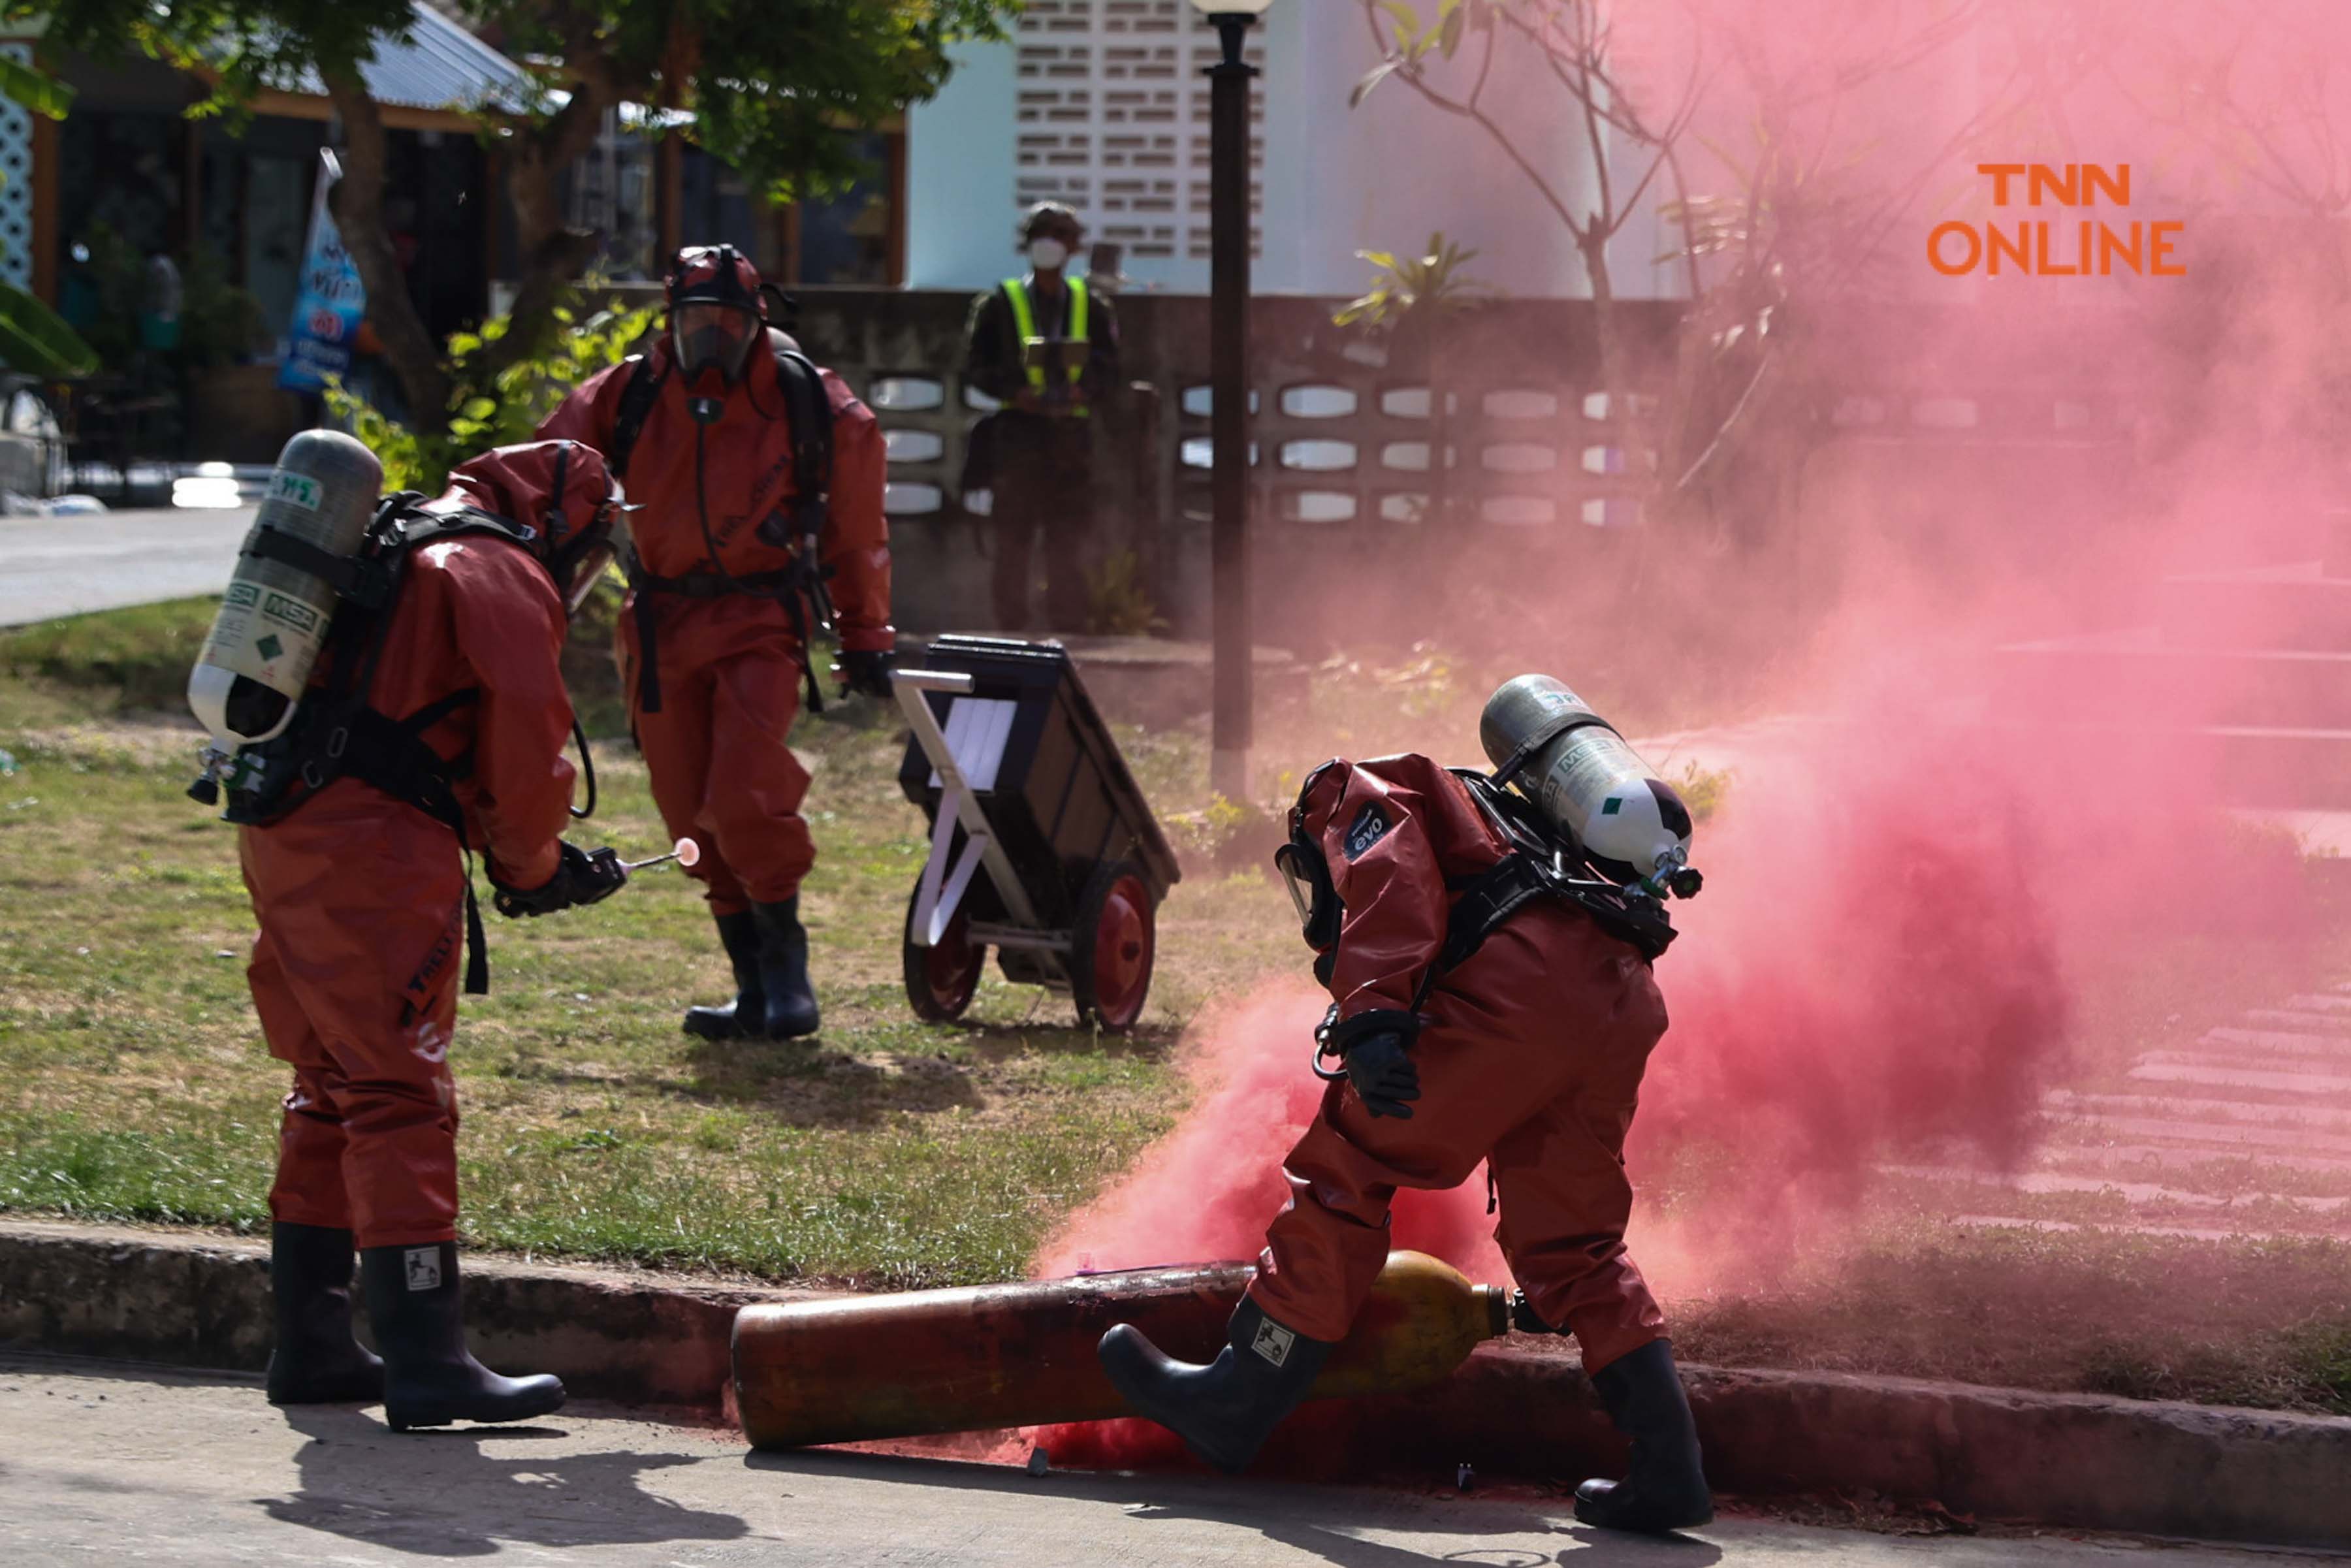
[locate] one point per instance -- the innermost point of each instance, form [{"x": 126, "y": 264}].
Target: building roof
[{"x": 439, "y": 65}]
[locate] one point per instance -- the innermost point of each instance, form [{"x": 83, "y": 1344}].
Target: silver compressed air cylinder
[
  {"x": 274, "y": 615},
  {"x": 1584, "y": 777}
]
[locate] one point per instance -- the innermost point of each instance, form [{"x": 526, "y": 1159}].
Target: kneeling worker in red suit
[{"x": 1473, "y": 1025}]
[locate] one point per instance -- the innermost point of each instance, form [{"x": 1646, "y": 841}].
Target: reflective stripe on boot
[
  {"x": 315, "y": 1360},
  {"x": 429, "y": 1378},
  {"x": 1226, "y": 1410}
]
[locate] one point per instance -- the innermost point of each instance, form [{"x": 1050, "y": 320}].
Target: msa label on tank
[
  {"x": 292, "y": 611},
  {"x": 1370, "y": 826},
  {"x": 1589, "y": 774},
  {"x": 1273, "y": 1342},
  {"x": 295, "y": 490}
]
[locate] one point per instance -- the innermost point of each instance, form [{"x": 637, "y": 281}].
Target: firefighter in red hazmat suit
[
  {"x": 752, "y": 472},
  {"x": 434, "y": 726},
  {"x": 1527, "y": 1052}
]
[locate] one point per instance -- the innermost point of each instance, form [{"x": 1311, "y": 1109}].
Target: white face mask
[{"x": 1047, "y": 255}]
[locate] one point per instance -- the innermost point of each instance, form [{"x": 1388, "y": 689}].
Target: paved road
[
  {"x": 110, "y": 1465},
  {"x": 65, "y": 566}
]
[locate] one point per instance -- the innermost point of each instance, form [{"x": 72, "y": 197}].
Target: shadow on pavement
[
  {"x": 468, "y": 1491},
  {"x": 1317, "y": 1521}
]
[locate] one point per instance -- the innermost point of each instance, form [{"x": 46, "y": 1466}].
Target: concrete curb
[
  {"x": 2147, "y": 1467},
  {"x": 2007, "y": 1454},
  {"x": 204, "y": 1301}
]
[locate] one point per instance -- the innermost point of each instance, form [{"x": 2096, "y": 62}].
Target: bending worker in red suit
[
  {"x": 1528, "y": 1053},
  {"x": 712, "y": 430},
  {"x": 434, "y": 726}
]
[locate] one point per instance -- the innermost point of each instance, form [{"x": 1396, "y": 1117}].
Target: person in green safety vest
[{"x": 1046, "y": 347}]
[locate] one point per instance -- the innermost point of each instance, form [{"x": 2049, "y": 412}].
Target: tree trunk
[
  {"x": 358, "y": 205},
  {"x": 551, "y": 254},
  {"x": 1615, "y": 368}
]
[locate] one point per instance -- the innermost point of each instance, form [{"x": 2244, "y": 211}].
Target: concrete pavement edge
[{"x": 2082, "y": 1460}]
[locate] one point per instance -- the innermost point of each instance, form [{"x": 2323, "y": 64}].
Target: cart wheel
[
  {"x": 941, "y": 979},
  {"x": 1110, "y": 947}
]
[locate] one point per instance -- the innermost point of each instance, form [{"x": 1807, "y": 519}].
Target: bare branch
[{"x": 1416, "y": 77}]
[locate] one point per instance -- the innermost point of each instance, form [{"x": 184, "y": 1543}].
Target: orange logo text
[{"x": 2051, "y": 246}]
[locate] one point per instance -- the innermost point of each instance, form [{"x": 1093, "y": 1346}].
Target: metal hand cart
[{"x": 1042, "y": 847}]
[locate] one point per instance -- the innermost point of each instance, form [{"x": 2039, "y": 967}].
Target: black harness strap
[
  {"x": 392, "y": 755},
  {"x": 362, "y": 582},
  {"x": 808, "y": 413},
  {"x": 710, "y": 585},
  {"x": 629, "y": 419},
  {"x": 807, "y": 419},
  {"x": 646, "y": 585},
  {"x": 337, "y": 734}
]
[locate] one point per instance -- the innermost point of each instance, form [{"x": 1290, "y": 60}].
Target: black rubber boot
[
  {"x": 783, "y": 969},
  {"x": 1226, "y": 1410},
  {"x": 748, "y": 1013},
  {"x": 429, "y": 1378},
  {"x": 316, "y": 1361},
  {"x": 1665, "y": 1486}
]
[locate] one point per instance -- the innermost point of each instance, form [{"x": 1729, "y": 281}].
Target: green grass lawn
[
  {"x": 890, "y": 1152},
  {"x": 893, "y": 1153}
]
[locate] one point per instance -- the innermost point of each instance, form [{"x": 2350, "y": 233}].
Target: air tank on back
[
  {"x": 1584, "y": 777},
  {"x": 274, "y": 615}
]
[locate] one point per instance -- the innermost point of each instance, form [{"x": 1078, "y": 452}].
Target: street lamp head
[{"x": 1232, "y": 7}]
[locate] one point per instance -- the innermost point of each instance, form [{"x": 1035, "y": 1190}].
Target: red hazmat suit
[
  {"x": 360, "y": 898},
  {"x": 1530, "y": 1056},
  {"x": 731, "y": 665}
]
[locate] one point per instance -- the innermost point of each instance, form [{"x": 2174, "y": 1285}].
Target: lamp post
[{"x": 1228, "y": 287}]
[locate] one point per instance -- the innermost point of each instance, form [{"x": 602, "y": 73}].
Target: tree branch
[
  {"x": 357, "y": 205},
  {"x": 553, "y": 253},
  {"x": 1412, "y": 73}
]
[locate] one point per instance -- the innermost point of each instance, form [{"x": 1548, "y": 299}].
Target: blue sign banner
[{"x": 328, "y": 308}]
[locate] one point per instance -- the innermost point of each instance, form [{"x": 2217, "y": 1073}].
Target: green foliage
[
  {"x": 1417, "y": 290},
  {"x": 37, "y": 341},
  {"x": 1414, "y": 42},
  {"x": 36, "y": 88},
  {"x": 1118, "y": 601},
  {"x": 1234, "y": 838},
  {"x": 1701, "y": 791},
  {"x": 245, "y": 44},
  {"x": 114, "y": 273},
  {"x": 501, "y": 407},
  {"x": 769, "y": 86},
  {"x": 219, "y": 322}
]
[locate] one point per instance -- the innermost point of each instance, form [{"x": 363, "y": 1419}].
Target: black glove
[
  {"x": 581, "y": 876},
  {"x": 865, "y": 670},
  {"x": 1380, "y": 1067}
]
